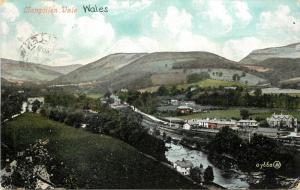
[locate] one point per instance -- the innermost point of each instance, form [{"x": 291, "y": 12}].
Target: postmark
[{"x": 38, "y": 47}]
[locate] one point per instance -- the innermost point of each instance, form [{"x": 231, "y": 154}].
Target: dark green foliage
[
  {"x": 244, "y": 113},
  {"x": 247, "y": 155},
  {"x": 236, "y": 77},
  {"x": 226, "y": 141},
  {"x": 162, "y": 91},
  {"x": 36, "y": 105},
  {"x": 208, "y": 174},
  {"x": 74, "y": 119},
  {"x": 196, "y": 77},
  {"x": 11, "y": 103},
  {"x": 196, "y": 174},
  {"x": 146, "y": 101},
  {"x": 240, "y": 97},
  {"x": 91, "y": 161}
]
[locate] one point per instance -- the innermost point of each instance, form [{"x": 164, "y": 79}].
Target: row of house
[
  {"x": 219, "y": 123},
  {"x": 281, "y": 120}
]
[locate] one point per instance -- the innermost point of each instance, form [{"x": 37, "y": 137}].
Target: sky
[{"x": 229, "y": 28}]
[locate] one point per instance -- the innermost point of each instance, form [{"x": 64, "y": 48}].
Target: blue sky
[{"x": 230, "y": 28}]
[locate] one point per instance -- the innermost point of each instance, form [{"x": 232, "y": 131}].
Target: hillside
[
  {"x": 100, "y": 68},
  {"x": 144, "y": 70},
  {"x": 23, "y": 71},
  {"x": 97, "y": 161},
  {"x": 280, "y": 69},
  {"x": 62, "y": 69},
  {"x": 288, "y": 51}
]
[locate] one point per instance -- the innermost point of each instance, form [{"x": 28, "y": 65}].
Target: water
[{"x": 178, "y": 152}]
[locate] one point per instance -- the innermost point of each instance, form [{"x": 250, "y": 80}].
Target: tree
[
  {"x": 162, "y": 91},
  {"x": 244, "y": 114},
  {"x": 208, "y": 174},
  {"x": 35, "y": 105},
  {"x": 196, "y": 174},
  {"x": 226, "y": 141},
  {"x": 196, "y": 77},
  {"x": 243, "y": 74},
  {"x": 257, "y": 92},
  {"x": 236, "y": 77}
]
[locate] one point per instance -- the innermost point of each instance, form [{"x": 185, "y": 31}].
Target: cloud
[
  {"x": 174, "y": 30},
  {"x": 217, "y": 12},
  {"x": 239, "y": 48},
  {"x": 187, "y": 41},
  {"x": 90, "y": 32},
  {"x": 155, "y": 21},
  {"x": 242, "y": 11},
  {"x": 9, "y": 12},
  {"x": 4, "y": 29},
  {"x": 176, "y": 21},
  {"x": 198, "y": 3},
  {"x": 125, "y": 5},
  {"x": 23, "y": 30},
  {"x": 132, "y": 45},
  {"x": 280, "y": 23}
]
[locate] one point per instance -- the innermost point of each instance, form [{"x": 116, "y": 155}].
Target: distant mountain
[
  {"x": 289, "y": 51},
  {"x": 23, "y": 71},
  {"x": 135, "y": 70},
  {"x": 62, "y": 69},
  {"x": 100, "y": 68}
]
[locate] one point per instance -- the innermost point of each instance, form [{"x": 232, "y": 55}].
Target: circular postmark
[
  {"x": 38, "y": 47},
  {"x": 276, "y": 164}
]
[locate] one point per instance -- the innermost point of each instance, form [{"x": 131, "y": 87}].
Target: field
[
  {"x": 211, "y": 83},
  {"x": 235, "y": 113},
  {"x": 94, "y": 95},
  {"x": 203, "y": 84},
  {"x": 98, "y": 161}
]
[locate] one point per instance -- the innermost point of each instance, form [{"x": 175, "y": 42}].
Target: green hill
[
  {"x": 98, "y": 161},
  {"x": 281, "y": 68},
  {"x": 136, "y": 70}
]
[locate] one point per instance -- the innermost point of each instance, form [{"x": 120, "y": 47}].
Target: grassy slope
[
  {"x": 203, "y": 84},
  {"x": 211, "y": 83},
  {"x": 99, "y": 161},
  {"x": 235, "y": 112}
]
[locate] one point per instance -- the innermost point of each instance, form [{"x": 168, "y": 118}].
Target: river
[{"x": 178, "y": 152}]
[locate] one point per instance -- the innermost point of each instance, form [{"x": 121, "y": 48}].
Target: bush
[
  {"x": 196, "y": 77},
  {"x": 208, "y": 174}
]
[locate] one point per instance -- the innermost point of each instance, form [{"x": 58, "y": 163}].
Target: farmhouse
[
  {"x": 183, "y": 166},
  {"x": 277, "y": 120}
]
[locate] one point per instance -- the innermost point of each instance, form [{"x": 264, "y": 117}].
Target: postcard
[{"x": 150, "y": 94}]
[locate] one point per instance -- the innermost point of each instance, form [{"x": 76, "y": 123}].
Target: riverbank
[{"x": 221, "y": 180}]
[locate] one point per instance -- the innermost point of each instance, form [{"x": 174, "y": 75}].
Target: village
[{"x": 282, "y": 127}]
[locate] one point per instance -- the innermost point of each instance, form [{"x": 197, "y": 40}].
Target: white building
[
  {"x": 199, "y": 122},
  {"x": 187, "y": 126},
  {"x": 277, "y": 120},
  {"x": 205, "y": 123},
  {"x": 174, "y": 102},
  {"x": 247, "y": 123},
  {"x": 183, "y": 166}
]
